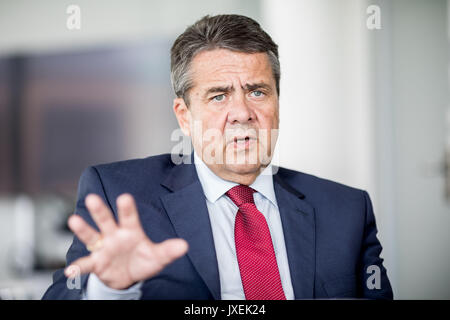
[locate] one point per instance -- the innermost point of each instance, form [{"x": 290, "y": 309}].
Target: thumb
[{"x": 171, "y": 249}]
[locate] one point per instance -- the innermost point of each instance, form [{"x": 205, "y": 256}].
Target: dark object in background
[{"x": 62, "y": 112}]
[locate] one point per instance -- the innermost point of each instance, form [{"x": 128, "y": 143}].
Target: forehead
[{"x": 222, "y": 66}]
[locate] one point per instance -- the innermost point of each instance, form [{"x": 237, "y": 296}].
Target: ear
[{"x": 183, "y": 115}]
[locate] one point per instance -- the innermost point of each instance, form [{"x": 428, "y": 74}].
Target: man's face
[{"x": 233, "y": 112}]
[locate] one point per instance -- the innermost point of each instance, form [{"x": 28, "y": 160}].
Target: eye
[
  {"x": 257, "y": 93},
  {"x": 219, "y": 98}
]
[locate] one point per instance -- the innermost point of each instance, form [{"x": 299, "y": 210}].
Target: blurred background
[{"x": 364, "y": 101}]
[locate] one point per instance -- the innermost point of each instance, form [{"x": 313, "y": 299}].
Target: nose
[{"x": 241, "y": 111}]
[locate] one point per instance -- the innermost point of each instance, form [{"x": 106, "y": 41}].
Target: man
[{"x": 231, "y": 225}]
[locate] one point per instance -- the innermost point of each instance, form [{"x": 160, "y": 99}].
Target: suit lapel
[
  {"x": 187, "y": 210},
  {"x": 297, "y": 217}
]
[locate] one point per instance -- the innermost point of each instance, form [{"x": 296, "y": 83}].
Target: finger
[
  {"x": 80, "y": 266},
  {"x": 127, "y": 212},
  {"x": 83, "y": 230},
  {"x": 101, "y": 214},
  {"x": 170, "y": 250}
]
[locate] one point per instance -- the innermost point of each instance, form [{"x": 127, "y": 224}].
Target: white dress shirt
[{"x": 222, "y": 212}]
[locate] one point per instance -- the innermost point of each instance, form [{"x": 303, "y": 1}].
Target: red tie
[{"x": 256, "y": 257}]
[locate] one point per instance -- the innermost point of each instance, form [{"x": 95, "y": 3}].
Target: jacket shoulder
[
  {"x": 314, "y": 186},
  {"x": 135, "y": 176},
  {"x": 157, "y": 165}
]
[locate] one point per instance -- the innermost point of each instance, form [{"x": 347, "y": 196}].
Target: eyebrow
[
  {"x": 259, "y": 85},
  {"x": 217, "y": 90},
  {"x": 226, "y": 89}
]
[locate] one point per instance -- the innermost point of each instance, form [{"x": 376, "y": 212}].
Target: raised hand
[{"x": 121, "y": 253}]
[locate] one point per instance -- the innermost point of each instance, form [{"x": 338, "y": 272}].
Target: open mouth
[
  {"x": 243, "y": 142},
  {"x": 240, "y": 140}
]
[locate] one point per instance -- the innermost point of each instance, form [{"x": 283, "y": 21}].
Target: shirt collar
[{"x": 214, "y": 187}]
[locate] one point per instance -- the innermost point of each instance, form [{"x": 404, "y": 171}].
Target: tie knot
[{"x": 241, "y": 194}]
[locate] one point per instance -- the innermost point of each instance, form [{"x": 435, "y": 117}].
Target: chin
[{"x": 243, "y": 168}]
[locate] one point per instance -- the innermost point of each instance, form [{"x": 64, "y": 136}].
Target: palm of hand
[{"x": 126, "y": 254}]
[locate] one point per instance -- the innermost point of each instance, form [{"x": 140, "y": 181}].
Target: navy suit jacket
[{"x": 329, "y": 231}]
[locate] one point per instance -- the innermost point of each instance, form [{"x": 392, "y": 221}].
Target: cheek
[
  {"x": 214, "y": 121},
  {"x": 210, "y": 128},
  {"x": 268, "y": 119},
  {"x": 269, "y": 123}
]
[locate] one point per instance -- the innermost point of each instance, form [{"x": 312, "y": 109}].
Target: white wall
[
  {"x": 368, "y": 108},
  {"x": 419, "y": 103},
  {"x": 327, "y": 125},
  {"x": 32, "y": 26},
  {"x": 325, "y": 117}
]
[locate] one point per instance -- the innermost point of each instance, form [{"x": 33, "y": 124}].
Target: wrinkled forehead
[{"x": 222, "y": 67}]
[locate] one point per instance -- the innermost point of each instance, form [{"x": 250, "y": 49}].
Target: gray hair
[{"x": 233, "y": 32}]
